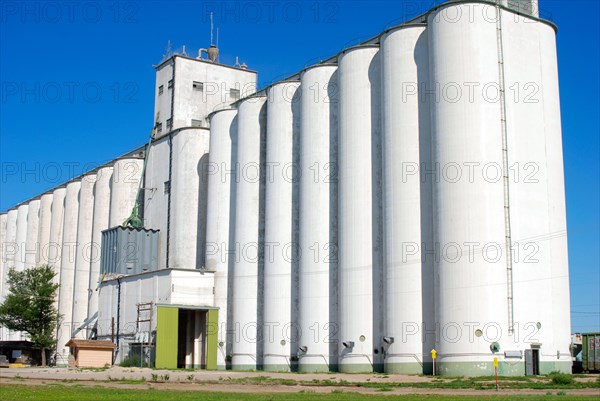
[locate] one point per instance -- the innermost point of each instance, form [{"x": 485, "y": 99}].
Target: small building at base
[{"x": 90, "y": 353}]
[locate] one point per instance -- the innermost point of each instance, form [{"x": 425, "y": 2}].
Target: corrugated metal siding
[{"x": 127, "y": 250}]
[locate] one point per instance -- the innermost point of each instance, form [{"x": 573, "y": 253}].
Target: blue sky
[{"x": 78, "y": 87}]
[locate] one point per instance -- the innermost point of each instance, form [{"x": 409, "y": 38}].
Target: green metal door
[
  {"x": 212, "y": 339},
  {"x": 167, "y": 331}
]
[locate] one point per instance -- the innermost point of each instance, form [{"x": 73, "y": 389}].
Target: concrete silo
[
  {"x": 187, "y": 204},
  {"x": 53, "y": 252},
  {"x": 45, "y": 222},
  {"x": 83, "y": 251},
  {"x": 359, "y": 221},
  {"x": 408, "y": 284},
  {"x": 31, "y": 239},
  {"x": 124, "y": 185},
  {"x": 249, "y": 234},
  {"x": 67, "y": 271},
  {"x": 536, "y": 192},
  {"x": 318, "y": 301},
  {"x": 219, "y": 224},
  {"x": 101, "y": 212},
  {"x": 9, "y": 252},
  {"x": 21, "y": 236},
  {"x": 280, "y": 305},
  {"x": 3, "y": 267}
]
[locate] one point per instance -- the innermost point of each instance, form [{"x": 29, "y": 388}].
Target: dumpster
[{"x": 590, "y": 352}]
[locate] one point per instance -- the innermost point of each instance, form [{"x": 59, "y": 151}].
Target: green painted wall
[
  {"x": 212, "y": 338},
  {"x": 167, "y": 337}
]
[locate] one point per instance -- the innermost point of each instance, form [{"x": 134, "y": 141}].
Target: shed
[{"x": 90, "y": 353}]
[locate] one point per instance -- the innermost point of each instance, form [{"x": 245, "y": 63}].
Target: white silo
[
  {"x": 21, "y": 237},
  {"x": 317, "y": 317},
  {"x": 407, "y": 210},
  {"x": 537, "y": 208},
  {"x": 220, "y": 216},
  {"x": 359, "y": 221},
  {"x": 67, "y": 271},
  {"x": 101, "y": 213},
  {"x": 45, "y": 222},
  {"x": 9, "y": 253},
  {"x": 469, "y": 210},
  {"x": 281, "y": 227},
  {"x": 188, "y": 198},
  {"x": 29, "y": 250},
  {"x": 83, "y": 252},
  {"x": 557, "y": 215},
  {"x": 3, "y": 221},
  {"x": 52, "y": 253},
  {"x": 124, "y": 185},
  {"x": 249, "y": 233}
]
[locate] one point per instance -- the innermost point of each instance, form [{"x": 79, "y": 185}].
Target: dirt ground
[{"x": 227, "y": 381}]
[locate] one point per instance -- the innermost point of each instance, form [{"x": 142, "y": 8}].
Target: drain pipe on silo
[
  {"x": 168, "y": 245},
  {"x": 118, "y": 316}
]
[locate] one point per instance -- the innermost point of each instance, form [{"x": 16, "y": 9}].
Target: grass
[
  {"x": 552, "y": 381},
  {"x": 71, "y": 393}
]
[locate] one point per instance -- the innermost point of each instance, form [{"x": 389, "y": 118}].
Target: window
[
  {"x": 158, "y": 128},
  {"x": 234, "y": 94},
  {"x": 161, "y": 89},
  {"x": 169, "y": 124},
  {"x": 170, "y": 84},
  {"x": 197, "y": 123},
  {"x": 167, "y": 187},
  {"x": 198, "y": 86}
]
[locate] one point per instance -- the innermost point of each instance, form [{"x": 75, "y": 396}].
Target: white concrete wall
[
  {"x": 83, "y": 252},
  {"x": 29, "y": 251},
  {"x": 360, "y": 240},
  {"x": 219, "y": 230},
  {"x": 102, "y": 190},
  {"x": 189, "y": 185},
  {"x": 167, "y": 287},
  {"x": 3, "y": 268},
  {"x": 249, "y": 232},
  {"x": 45, "y": 223},
  {"x": 124, "y": 185},
  {"x": 281, "y": 227},
  {"x": 21, "y": 236},
  {"x": 67, "y": 271},
  {"x": 155, "y": 197},
  {"x": 190, "y": 104},
  {"x": 318, "y": 275}
]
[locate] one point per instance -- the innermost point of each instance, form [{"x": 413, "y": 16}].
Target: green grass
[
  {"x": 71, "y": 393},
  {"x": 477, "y": 383}
]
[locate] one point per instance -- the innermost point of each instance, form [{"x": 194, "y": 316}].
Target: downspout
[
  {"x": 168, "y": 247},
  {"x": 118, "y": 316}
]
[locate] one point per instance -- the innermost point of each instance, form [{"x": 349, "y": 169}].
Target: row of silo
[
  {"x": 62, "y": 228},
  {"x": 412, "y": 269}
]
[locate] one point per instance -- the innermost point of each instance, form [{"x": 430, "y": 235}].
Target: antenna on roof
[
  {"x": 211, "y": 28},
  {"x": 169, "y": 50}
]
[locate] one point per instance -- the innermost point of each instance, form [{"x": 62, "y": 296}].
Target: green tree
[{"x": 29, "y": 307}]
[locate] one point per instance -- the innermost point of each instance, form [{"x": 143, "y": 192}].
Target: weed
[{"x": 561, "y": 378}]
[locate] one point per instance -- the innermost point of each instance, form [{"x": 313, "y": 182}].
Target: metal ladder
[{"x": 505, "y": 170}]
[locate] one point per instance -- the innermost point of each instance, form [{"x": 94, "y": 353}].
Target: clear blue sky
[{"x": 113, "y": 45}]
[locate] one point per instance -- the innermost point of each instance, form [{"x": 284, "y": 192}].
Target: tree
[{"x": 29, "y": 307}]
